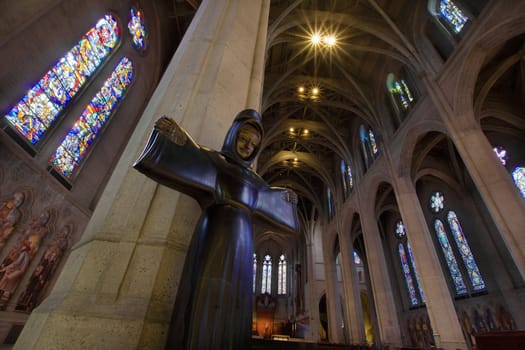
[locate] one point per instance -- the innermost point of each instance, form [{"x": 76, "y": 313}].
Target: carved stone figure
[
  {"x": 213, "y": 309},
  {"x": 15, "y": 264},
  {"x": 9, "y": 216},
  {"x": 44, "y": 271}
]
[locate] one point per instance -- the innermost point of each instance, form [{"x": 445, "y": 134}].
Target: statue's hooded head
[{"x": 243, "y": 140}]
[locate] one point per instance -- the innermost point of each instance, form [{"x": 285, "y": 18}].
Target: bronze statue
[{"x": 213, "y": 308}]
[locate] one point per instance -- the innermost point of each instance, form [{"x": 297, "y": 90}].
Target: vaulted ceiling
[{"x": 308, "y": 134}]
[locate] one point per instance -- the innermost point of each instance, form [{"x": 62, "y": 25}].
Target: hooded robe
[{"x": 213, "y": 308}]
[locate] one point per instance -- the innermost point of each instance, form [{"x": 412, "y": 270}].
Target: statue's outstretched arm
[
  {"x": 278, "y": 207},
  {"x": 173, "y": 159},
  {"x": 169, "y": 128}
]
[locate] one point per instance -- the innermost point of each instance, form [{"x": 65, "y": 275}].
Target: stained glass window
[
  {"x": 502, "y": 155},
  {"x": 400, "y": 90},
  {"x": 267, "y": 275},
  {"x": 330, "y": 203},
  {"x": 408, "y": 276},
  {"x": 254, "y": 270},
  {"x": 437, "y": 202},
  {"x": 452, "y": 15},
  {"x": 400, "y": 229},
  {"x": 468, "y": 259},
  {"x": 281, "y": 278},
  {"x": 406, "y": 263},
  {"x": 450, "y": 258},
  {"x": 137, "y": 29},
  {"x": 373, "y": 144},
  {"x": 75, "y": 145},
  {"x": 346, "y": 175},
  {"x": 518, "y": 175},
  {"x": 34, "y": 114},
  {"x": 357, "y": 259},
  {"x": 411, "y": 255}
]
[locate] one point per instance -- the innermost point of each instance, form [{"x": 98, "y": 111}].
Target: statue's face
[{"x": 247, "y": 141}]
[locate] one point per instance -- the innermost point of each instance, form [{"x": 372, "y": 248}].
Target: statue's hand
[{"x": 171, "y": 129}]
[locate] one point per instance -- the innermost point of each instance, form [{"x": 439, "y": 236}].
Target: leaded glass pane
[
  {"x": 502, "y": 155},
  {"x": 411, "y": 255},
  {"x": 42, "y": 104},
  {"x": 437, "y": 201},
  {"x": 76, "y": 143},
  {"x": 450, "y": 258},
  {"x": 408, "y": 276},
  {"x": 267, "y": 275},
  {"x": 281, "y": 278},
  {"x": 452, "y": 14},
  {"x": 466, "y": 254},
  {"x": 137, "y": 29},
  {"x": 373, "y": 144},
  {"x": 400, "y": 229},
  {"x": 357, "y": 259},
  {"x": 518, "y": 175},
  {"x": 254, "y": 269}
]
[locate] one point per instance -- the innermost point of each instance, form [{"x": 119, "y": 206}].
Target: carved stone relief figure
[
  {"x": 10, "y": 215},
  {"x": 45, "y": 270},
  {"x": 17, "y": 261}
]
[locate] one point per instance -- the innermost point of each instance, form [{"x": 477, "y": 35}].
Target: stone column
[
  {"x": 311, "y": 290},
  {"x": 495, "y": 185},
  {"x": 333, "y": 308},
  {"x": 439, "y": 303},
  {"x": 355, "y": 329},
  {"x": 388, "y": 323},
  {"x": 118, "y": 286}
]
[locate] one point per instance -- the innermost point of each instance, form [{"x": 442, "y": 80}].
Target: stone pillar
[
  {"x": 354, "y": 327},
  {"x": 311, "y": 290},
  {"x": 388, "y": 323},
  {"x": 332, "y": 296},
  {"x": 439, "y": 303},
  {"x": 118, "y": 286},
  {"x": 495, "y": 185}
]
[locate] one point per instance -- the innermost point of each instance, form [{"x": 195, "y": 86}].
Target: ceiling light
[
  {"x": 315, "y": 91},
  {"x": 305, "y": 131},
  {"x": 316, "y": 39},
  {"x": 301, "y": 89},
  {"x": 329, "y": 40}
]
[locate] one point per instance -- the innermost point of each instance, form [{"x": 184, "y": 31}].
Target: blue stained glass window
[
  {"x": 452, "y": 15},
  {"x": 40, "y": 107},
  {"x": 408, "y": 276},
  {"x": 357, "y": 259},
  {"x": 137, "y": 29},
  {"x": 254, "y": 269},
  {"x": 373, "y": 144},
  {"x": 415, "y": 271},
  {"x": 502, "y": 155},
  {"x": 346, "y": 174},
  {"x": 400, "y": 229},
  {"x": 74, "y": 147},
  {"x": 450, "y": 259},
  {"x": 267, "y": 275},
  {"x": 518, "y": 175},
  {"x": 473, "y": 272},
  {"x": 403, "y": 93},
  {"x": 281, "y": 276},
  {"x": 437, "y": 201}
]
